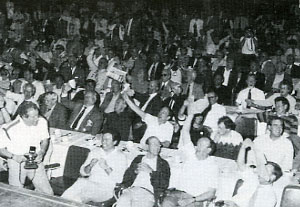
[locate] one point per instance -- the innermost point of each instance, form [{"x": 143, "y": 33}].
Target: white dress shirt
[
  {"x": 217, "y": 111},
  {"x": 226, "y": 75},
  {"x": 256, "y": 94}
]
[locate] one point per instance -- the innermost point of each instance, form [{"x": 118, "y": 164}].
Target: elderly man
[
  {"x": 85, "y": 117},
  {"x": 120, "y": 120},
  {"x": 28, "y": 77},
  {"x": 166, "y": 84},
  {"x": 104, "y": 168},
  {"x": 146, "y": 179},
  {"x": 156, "y": 126},
  {"x": 27, "y": 132},
  {"x": 27, "y": 95},
  {"x": 199, "y": 176},
  {"x": 54, "y": 112}
]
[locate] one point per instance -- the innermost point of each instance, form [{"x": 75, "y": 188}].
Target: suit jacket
[
  {"x": 157, "y": 74},
  {"x": 232, "y": 82},
  {"x": 159, "y": 179},
  {"x": 93, "y": 121},
  {"x": 153, "y": 106},
  {"x": 270, "y": 81},
  {"x": 224, "y": 95},
  {"x": 198, "y": 92},
  {"x": 106, "y": 101},
  {"x": 178, "y": 102},
  {"x": 58, "y": 117},
  {"x": 79, "y": 74},
  {"x": 166, "y": 91},
  {"x": 295, "y": 71}
]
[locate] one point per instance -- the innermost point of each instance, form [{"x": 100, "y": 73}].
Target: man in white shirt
[
  {"x": 104, "y": 167},
  {"x": 156, "y": 126},
  {"x": 28, "y": 76},
  {"x": 256, "y": 189},
  {"x": 285, "y": 90},
  {"x": 249, "y": 94},
  {"x": 27, "y": 95},
  {"x": 28, "y": 132},
  {"x": 213, "y": 112},
  {"x": 275, "y": 145},
  {"x": 199, "y": 178}
]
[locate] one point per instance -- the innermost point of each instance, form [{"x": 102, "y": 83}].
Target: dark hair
[
  {"x": 229, "y": 124},
  {"x": 115, "y": 135},
  {"x": 25, "y": 107},
  {"x": 284, "y": 102},
  {"x": 288, "y": 84},
  {"x": 276, "y": 170},
  {"x": 90, "y": 81},
  {"x": 219, "y": 74},
  {"x": 277, "y": 118}
]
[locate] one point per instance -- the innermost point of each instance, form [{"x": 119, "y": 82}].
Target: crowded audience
[{"x": 162, "y": 76}]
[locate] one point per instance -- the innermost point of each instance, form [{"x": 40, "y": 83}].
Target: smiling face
[
  {"x": 31, "y": 118},
  {"x": 154, "y": 146},
  {"x": 164, "y": 115},
  {"x": 107, "y": 142},
  {"x": 276, "y": 128}
]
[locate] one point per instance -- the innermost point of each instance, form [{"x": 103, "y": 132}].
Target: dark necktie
[
  {"x": 195, "y": 30},
  {"x": 249, "y": 97},
  {"x": 238, "y": 184},
  {"x": 75, "y": 123},
  {"x": 162, "y": 86},
  {"x": 152, "y": 73},
  {"x": 205, "y": 112}
]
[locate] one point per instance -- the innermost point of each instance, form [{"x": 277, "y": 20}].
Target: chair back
[
  {"x": 228, "y": 151},
  {"x": 75, "y": 158},
  {"x": 291, "y": 196},
  {"x": 247, "y": 127}
]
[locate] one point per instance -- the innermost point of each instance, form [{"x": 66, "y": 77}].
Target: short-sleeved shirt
[
  {"x": 17, "y": 137},
  {"x": 198, "y": 176},
  {"x": 163, "y": 132}
]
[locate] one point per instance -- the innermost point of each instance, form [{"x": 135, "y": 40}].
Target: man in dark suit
[
  {"x": 165, "y": 85},
  {"x": 151, "y": 104},
  {"x": 259, "y": 77},
  {"x": 175, "y": 101},
  {"x": 230, "y": 74},
  {"x": 291, "y": 68},
  {"x": 272, "y": 84},
  {"x": 109, "y": 101},
  {"x": 193, "y": 61},
  {"x": 85, "y": 117},
  {"x": 90, "y": 85},
  {"x": 191, "y": 88},
  {"x": 155, "y": 68},
  {"x": 54, "y": 112},
  {"x": 223, "y": 92},
  {"x": 71, "y": 70}
]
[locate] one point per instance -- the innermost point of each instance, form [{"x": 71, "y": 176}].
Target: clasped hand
[{"x": 143, "y": 167}]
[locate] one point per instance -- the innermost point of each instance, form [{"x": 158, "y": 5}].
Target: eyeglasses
[
  {"x": 211, "y": 97},
  {"x": 164, "y": 74}
]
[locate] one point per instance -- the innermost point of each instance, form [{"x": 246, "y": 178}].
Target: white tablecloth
[{"x": 228, "y": 168}]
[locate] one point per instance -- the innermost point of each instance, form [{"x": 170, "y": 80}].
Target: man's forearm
[
  {"x": 206, "y": 196},
  {"x": 44, "y": 147}
]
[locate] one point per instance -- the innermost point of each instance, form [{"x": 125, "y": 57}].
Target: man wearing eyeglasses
[
  {"x": 165, "y": 85},
  {"x": 213, "y": 112}
]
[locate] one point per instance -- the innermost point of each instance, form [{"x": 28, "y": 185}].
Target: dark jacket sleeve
[
  {"x": 160, "y": 178},
  {"x": 130, "y": 174}
]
